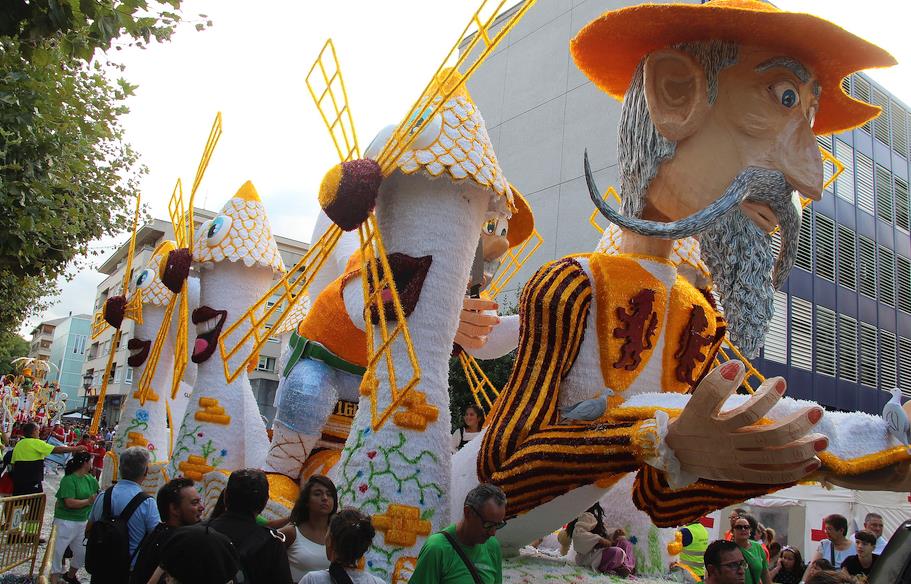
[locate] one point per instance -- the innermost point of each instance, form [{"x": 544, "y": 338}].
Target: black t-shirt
[
  {"x": 267, "y": 563},
  {"x": 150, "y": 553},
  {"x": 853, "y": 567}
]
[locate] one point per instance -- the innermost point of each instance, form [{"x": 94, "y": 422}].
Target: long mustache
[{"x": 751, "y": 183}]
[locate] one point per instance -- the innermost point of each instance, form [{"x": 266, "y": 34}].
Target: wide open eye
[
  {"x": 490, "y": 226},
  {"x": 786, "y": 93},
  {"x": 145, "y": 278},
  {"x": 502, "y": 227},
  {"x": 218, "y": 229}
]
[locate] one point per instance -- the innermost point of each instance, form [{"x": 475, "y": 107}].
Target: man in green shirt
[
  {"x": 28, "y": 460},
  {"x": 439, "y": 561}
]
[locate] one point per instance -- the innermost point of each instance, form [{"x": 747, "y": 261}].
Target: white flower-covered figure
[
  {"x": 399, "y": 471},
  {"x": 146, "y": 424},
  {"x": 237, "y": 256}
]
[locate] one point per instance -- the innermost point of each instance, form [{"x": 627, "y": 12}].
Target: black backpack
[
  {"x": 894, "y": 565},
  {"x": 107, "y": 548}
]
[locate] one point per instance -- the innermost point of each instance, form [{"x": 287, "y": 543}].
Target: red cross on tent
[
  {"x": 819, "y": 534},
  {"x": 709, "y": 522}
]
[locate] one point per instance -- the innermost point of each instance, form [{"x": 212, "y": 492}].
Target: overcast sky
[{"x": 251, "y": 64}]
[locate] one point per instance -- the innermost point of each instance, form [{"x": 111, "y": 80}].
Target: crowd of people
[{"x": 123, "y": 535}]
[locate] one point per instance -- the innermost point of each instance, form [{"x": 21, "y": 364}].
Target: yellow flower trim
[
  {"x": 867, "y": 463},
  {"x": 402, "y": 524},
  {"x": 328, "y": 188}
]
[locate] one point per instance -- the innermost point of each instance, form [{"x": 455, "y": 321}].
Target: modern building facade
[
  {"x": 68, "y": 349},
  {"x": 264, "y": 378},
  {"x": 842, "y": 330}
]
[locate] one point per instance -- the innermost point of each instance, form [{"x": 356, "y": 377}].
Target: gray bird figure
[
  {"x": 896, "y": 418},
  {"x": 589, "y": 409}
]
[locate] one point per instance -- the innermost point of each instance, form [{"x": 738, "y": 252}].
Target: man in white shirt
[{"x": 873, "y": 523}]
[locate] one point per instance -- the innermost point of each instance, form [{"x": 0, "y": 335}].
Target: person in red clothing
[
  {"x": 98, "y": 453},
  {"x": 59, "y": 433}
]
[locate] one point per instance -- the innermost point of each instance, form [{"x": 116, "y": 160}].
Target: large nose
[
  {"x": 494, "y": 247},
  {"x": 797, "y": 156}
]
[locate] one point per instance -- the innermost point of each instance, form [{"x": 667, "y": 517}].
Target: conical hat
[{"x": 240, "y": 233}]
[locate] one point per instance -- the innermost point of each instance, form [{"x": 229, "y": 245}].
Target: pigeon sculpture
[
  {"x": 589, "y": 409},
  {"x": 896, "y": 418}
]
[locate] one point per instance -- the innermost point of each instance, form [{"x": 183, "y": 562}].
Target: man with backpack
[
  {"x": 261, "y": 549},
  {"x": 120, "y": 518}
]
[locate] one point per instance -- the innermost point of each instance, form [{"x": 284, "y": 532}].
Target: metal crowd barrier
[
  {"x": 20, "y": 530},
  {"x": 44, "y": 572}
]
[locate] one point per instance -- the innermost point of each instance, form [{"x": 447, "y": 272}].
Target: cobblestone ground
[{"x": 19, "y": 575}]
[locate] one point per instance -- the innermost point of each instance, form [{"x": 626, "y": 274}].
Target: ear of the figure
[{"x": 675, "y": 92}]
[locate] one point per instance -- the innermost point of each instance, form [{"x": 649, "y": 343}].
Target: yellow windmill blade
[
  {"x": 287, "y": 293},
  {"x": 451, "y": 76},
  {"x": 214, "y": 134},
  {"x": 99, "y": 406},
  {"x": 145, "y": 380},
  {"x": 377, "y": 278},
  {"x": 482, "y": 389},
  {"x": 511, "y": 262},
  {"x": 180, "y": 345},
  {"x": 99, "y": 325},
  {"x": 327, "y": 88},
  {"x": 134, "y": 307},
  {"x": 177, "y": 213}
]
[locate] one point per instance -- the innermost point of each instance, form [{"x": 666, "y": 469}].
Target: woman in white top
[
  {"x": 350, "y": 535},
  {"x": 305, "y": 534},
  {"x": 836, "y": 547},
  {"x": 472, "y": 422}
]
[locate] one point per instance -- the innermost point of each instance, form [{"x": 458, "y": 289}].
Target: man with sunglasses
[
  {"x": 466, "y": 552},
  {"x": 724, "y": 564}
]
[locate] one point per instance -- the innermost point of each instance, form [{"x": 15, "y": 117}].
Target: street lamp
[{"x": 86, "y": 384}]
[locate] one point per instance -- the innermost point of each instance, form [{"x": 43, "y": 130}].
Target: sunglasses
[{"x": 488, "y": 525}]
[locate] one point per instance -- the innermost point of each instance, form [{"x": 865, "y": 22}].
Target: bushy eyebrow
[{"x": 792, "y": 65}]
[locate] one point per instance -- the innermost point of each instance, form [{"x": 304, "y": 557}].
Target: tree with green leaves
[
  {"x": 11, "y": 347},
  {"x": 66, "y": 174}
]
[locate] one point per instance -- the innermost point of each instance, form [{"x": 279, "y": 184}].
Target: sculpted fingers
[
  {"x": 479, "y": 318},
  {"x": 473, "y": 330},
  {"x": 469, "y": 342},
  {"x": 758, "y": 406},
  {"x": 804, "y": 450},
  {"x": 479, "y": 304},
  {"x": 713, "y": 390},
  {"x": 792, "y": 428}
]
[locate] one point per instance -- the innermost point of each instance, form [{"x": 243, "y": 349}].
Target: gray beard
[{"x": 744, "y": 271}]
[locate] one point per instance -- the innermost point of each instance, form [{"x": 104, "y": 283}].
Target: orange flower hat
[{"x": 609, "y": 48}]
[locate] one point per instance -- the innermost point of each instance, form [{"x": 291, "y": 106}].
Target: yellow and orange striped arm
[{"x": 525, "y": 450}]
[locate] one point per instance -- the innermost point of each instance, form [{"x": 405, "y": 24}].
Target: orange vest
[{"x": 327, "y": 322}]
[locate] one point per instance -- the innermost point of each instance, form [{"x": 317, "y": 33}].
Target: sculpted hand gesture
[
  {"x": 729, "y": 447},
  {"x": 474, "y": 323}
]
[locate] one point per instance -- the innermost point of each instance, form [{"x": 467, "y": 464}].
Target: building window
[
  {"x": 867, "y": 266},
  {"x": 804, "y": 257},
  {"x": 825, "y": 247},
  {"x": 266, "y": 364},
  {"x": 884, "y": 194},
  {"x": 844, "y": 184},
  {"x": 847, "y": 348},
  {"x": 868, "y": 363},
  {"x": 887, "y": 370},
  {"x": 128, "y": 377},
  {"x": 864, "y": 182},
  {"x": 825, "y": 341},
  {"x": 79, "y": 344},
  {"x": 801, "y": 333},
  {"x": 828, "y": 169},
  {"x": 902, "y": 204},
  {"x": 899, "y": 130},
  {"x": 775, "y": 243},
  {"x": 886, "y": 276},
  {"x": 112, "y": 378},
  {"x": 847, "y": 258},
  {"x": 903, "y": 285},
  {"x": 862, "y": 92},
  {"x": 904, "y": 354},
  {"x": 776, "y": 341},
  {"x": 881, "y": 122}
]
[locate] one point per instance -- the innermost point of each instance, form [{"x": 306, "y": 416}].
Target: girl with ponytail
[{"x": 350, "y": 535}]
